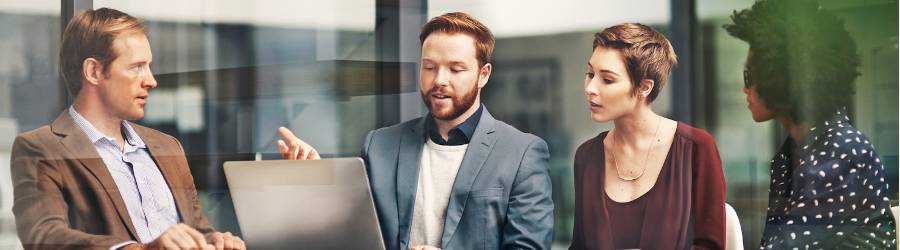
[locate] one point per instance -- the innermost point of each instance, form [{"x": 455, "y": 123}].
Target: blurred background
[{"x": 231, "y": 72}]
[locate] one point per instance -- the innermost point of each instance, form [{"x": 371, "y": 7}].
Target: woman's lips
[{"x": 594, "y": 106}]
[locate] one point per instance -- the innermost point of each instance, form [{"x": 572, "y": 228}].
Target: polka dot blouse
[{"x": 834, "y": 197}]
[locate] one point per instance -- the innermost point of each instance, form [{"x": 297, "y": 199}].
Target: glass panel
[
  {"x": 746, "y": 171},
  {"x": 231, "y": 72},
  {"x": 31, "y": 94},
  {"x": 747, "y": 147}
]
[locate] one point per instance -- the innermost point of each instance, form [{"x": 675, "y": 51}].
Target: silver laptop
[{"x": 316, "y": 204}]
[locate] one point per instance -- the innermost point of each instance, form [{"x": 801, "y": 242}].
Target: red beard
[{"x": 460, "y": 104}]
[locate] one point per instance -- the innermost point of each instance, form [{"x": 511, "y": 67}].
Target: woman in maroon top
[{"x": 650, "y": 182}]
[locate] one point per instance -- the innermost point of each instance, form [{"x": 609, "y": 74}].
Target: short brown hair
[
  {"x": 90, "y": 35},
  {"x": 647, "y": 53},
  {"x": 458, "y": 22}
]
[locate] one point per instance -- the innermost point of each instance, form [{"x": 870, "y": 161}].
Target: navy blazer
[{"x": 501, "y": 198}]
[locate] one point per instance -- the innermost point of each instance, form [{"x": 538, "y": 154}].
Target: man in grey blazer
[{"x": 456, "y": 178}]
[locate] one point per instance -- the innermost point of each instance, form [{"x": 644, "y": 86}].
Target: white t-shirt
[{"x": 439, "y": 165}]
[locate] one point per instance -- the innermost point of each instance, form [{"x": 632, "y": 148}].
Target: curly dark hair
[{"x": 803, "y": 63}]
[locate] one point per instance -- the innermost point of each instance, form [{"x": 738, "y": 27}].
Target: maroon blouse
[
  {"x": 684, "y": 209},
  {"x": 629, "y": 220}
]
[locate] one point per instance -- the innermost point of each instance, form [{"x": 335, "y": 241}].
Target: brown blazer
[{"x": 66, "y": 198}]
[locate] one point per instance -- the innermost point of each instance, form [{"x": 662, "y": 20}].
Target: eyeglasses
[{"x": 746, "y": 79}]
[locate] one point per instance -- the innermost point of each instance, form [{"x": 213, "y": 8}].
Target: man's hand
[
  {"x": 225, "y": 241},
  {"x": 292, "y": 148},
  {"x": 423, "y": 248},
  {"x": 178, "y": 237}
]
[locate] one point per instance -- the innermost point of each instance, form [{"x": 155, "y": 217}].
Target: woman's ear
[{"x": 646, "y": 87}]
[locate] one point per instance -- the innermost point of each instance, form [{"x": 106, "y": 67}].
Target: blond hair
[{"x": 90, "y": 34}]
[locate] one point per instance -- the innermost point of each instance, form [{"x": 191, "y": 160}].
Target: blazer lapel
[
  {"x": 166, "y": 159},
  {"x": 82, "y": 149},
  {"x": 408, "y": 162},
  {"x": 476, "y": 154}
]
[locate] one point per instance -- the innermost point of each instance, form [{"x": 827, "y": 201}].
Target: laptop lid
[{"x": 315, "y": 204}]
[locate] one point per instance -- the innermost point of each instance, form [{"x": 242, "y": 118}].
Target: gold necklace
[{"x": 647, "y": 158}]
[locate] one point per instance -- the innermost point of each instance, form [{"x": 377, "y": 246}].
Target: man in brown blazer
[{"x": 94, "y": 180}]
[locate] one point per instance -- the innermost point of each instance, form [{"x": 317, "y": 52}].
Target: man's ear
[
  {"x": 92, "y": 71},
  {"x": 646, "y": 87},
  {"x": 484, "y": 73}
]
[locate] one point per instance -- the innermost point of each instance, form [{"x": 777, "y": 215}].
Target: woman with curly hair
[
  {"x": 650, "y": 182},
  {"x": 827, "y": 185}
]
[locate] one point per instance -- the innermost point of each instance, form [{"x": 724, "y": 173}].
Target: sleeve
[
  {"x": 578, "y": 239},
  {"x": 364, "y": 151},
  {"x": 842, "y": 203},
  {"x": 529, "y": 214},
  {"x": 868, "y": 222},
  {"x": 39, "y": 205},
  {"x": 709, "y": 196}
]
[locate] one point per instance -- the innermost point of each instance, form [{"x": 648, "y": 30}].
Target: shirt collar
[
  {"x": 459, "y": 135},
  {"x": 95, "y": 135},
  {"x": 837, "y": 120}
]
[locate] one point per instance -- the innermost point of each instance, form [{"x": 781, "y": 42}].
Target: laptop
[{"x": 314, "y": 204}]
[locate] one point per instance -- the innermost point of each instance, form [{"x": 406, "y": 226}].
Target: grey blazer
[{"x": 501, "y": 197}]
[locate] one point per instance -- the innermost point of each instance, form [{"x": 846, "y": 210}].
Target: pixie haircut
[
  {"x": 803, "y": 63},
  {"x": 90, "y": 35},
  {"x": 646, "y": 52},
  {"x": 458, "y": 22}
]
